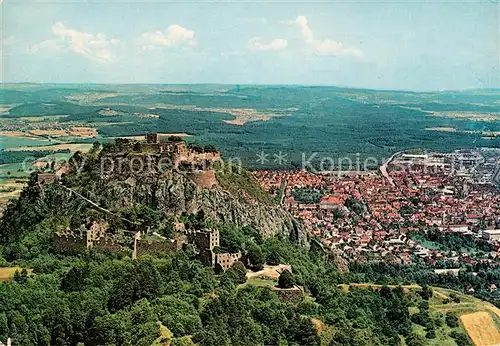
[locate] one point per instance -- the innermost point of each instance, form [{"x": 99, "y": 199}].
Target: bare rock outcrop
[{"x": 173, "y": 193}]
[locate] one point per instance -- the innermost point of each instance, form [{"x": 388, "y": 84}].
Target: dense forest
[
  {"x": 454, "y": 242},
  {"x": 98, "y": 298},
  {"x": 95, "y": 299},
  {"x": 479, "y": 277},
  {"x": 332, "y": 122},
  {"x": 29, "y": 155},
  {"x": 308, "y": 195}
]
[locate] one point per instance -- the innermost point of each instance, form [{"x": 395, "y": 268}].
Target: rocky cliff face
[{"x": 174, "y": 193}]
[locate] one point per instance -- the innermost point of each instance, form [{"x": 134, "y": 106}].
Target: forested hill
[
  {"x": 94, "y": 299},
  {"x": 157, "y": 197},
  {"x": 171, "y": 298},
  {"x": 243, "y": 121}
]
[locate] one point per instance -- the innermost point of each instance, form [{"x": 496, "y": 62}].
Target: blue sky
[{"x": 383, "y": 45}]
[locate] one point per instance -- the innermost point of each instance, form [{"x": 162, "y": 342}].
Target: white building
[
  {"x": 491, "y": 234},
  {"x": 455, "y": 228}
]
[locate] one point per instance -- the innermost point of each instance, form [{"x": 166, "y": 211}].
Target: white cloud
[
  {"x": 305, "y": 31},
  {"x": 322, "y": 47},
  {"x": 95, "y": 47},
  {"x": 47, "y": 46},
  {"x": 255, "y": 44},
  {"x": 175, "y": 35},
  {"x": 332, "y": 47}
]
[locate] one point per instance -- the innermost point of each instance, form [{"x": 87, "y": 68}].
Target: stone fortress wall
[
  {"x": 95, "y": 236},
  {"x": 196, "y": 164},
  {"x": 204, "y": 179}
]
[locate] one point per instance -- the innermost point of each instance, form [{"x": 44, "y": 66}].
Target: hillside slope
[{"x": 236, "y": 198}]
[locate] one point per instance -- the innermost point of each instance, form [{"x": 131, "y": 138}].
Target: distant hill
[{"x": 242, "y": 121}]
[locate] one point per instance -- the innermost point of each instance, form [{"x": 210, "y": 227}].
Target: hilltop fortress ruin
[
  {"x": 153, "y": 154},
  {"x": 158, "y": 155},
  {"x": 138, "y": 189},
  {"x": 124, "y": 159},
  {"x": 178, "y": 151}
]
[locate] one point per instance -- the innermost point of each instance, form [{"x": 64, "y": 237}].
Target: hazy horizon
[
  {"x": 6, "y": 84},
  {"x": 417, "y": 46}
]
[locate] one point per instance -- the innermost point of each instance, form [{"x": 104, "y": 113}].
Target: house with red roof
[{"x": 330, "y": 202}]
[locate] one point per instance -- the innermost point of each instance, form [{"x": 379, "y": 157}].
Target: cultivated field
[
  {"x": 5, "y": 108},
  {"x": 334, "y": 122},
  {"x": 13, "y": 176},
  {"x": 49, "y": 132},
  {"x": 70, "y": 146},
  {"x": 477, "y": 317},
  {"x": 7, "y": 273},
  {"x": 43, "y": 118},
  {"x": 494, "y": 309},
  {"x": 10, "y": 141},
  {"x": 406, "y": 288},
  {"x": 10, "y": 188},
  {"x": 475, "y": 116},
  {"x": 75, "y": 131},
  {"x": 17, "y": 134},
  {"x": 269, "y": 272},
  {"x": 13, "y": 170},
  {"x": 89, "y": 97},
  {"x": 481, "y": 328},
  {"x": 451, "y": 129},
  {"x": 242, "y": 115}
]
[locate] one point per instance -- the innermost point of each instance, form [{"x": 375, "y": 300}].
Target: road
[
  {"x": 383, "y": 168},
  {"x": 282, "y": 192},
  {"x": 496, "y": 176}
]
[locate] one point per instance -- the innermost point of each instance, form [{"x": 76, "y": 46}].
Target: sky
[{"x": 412, "y": 45}]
